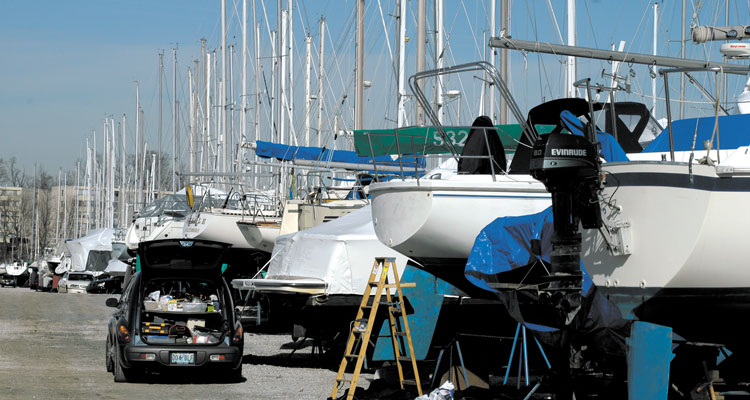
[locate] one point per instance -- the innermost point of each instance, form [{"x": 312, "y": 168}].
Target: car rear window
[{"x": 80, "y": 277}]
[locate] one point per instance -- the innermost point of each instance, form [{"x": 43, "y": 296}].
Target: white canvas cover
[
  {"x": 116, "y": 268},
  {"x": 96, "y": 240},
  {"x": 340, "y": 252}
]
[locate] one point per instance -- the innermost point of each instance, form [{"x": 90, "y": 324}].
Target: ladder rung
[
  {"x": 404, "y": 358},
  {"x": 402, "y": 334},
  {"x": 412, "y": 382},
  {"x": 403, "y": 285},
  {"x": 392, "y": 303},
  {"x": 354, "y": 356},
  {"x": 395, "y": 310},
  {"x": 343, "y": 380}
]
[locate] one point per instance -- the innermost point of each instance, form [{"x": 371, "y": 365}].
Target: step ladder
[{"x": 359, "y": 337}]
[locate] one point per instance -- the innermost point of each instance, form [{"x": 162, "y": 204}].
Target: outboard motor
[{"x": 569, "y": 167}]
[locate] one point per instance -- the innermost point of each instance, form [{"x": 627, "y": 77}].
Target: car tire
[
  {"x": 234, "y": 375},
  {"x": 121, "y": 373},
  {"x": 108, "y": 355}
]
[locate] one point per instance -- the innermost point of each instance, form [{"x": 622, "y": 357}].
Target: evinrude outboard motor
[{"x": 568, "y": 165}]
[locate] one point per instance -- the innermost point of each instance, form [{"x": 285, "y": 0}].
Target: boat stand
[
  {"x": 449, "y": 347},
  {"x": 523, "y": 360}
]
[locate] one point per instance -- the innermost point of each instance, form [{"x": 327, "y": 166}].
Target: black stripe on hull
[{"x": 672, "y": 180}]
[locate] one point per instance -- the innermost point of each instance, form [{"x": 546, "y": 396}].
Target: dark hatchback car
[
  {"x": 176, "y": 313},
  {"x": 106, "y": 284}
]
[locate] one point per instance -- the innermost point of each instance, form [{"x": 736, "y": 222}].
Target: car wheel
[
  {"x": 108, "y": 355},
  {"x": 234, "y": 375},
  {"x": 121, "y": 373}
]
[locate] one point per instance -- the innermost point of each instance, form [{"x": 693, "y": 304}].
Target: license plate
[{"x": 183, "y": 358}]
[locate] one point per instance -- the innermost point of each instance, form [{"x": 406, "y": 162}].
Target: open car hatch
[{"x": 182, "y": 258}]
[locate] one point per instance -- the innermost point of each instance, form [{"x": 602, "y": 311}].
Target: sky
[{"x": 68, "y": 65}]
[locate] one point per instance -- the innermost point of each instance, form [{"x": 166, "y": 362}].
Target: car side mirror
[{"x": 112, "y": 302}]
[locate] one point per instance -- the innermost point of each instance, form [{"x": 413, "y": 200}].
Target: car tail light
[
  {"x": 123, "y": 333},
  {"x": 237, "y": 337}
]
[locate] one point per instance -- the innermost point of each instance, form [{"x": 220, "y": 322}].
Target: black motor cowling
[{"x": 568, "y": 166}]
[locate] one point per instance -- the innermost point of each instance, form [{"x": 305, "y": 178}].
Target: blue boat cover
[
  {"x": 284, "y": 152},
  {"x": 505, "y": 245},
  {"x": 611, "y": 150},
  {"x": 733, "y": 132}
]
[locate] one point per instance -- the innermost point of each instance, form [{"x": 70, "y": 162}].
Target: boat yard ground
[{"x": 52, "y": 345}]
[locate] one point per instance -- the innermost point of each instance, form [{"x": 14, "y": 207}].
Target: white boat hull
[
  {"x": 440, "y": 219},
  {"x": 260, "y": 235},
  {"x": 682, "y": 234},
  {"x": 146, "y": 229},
  {"x": 216, "y": 226}
]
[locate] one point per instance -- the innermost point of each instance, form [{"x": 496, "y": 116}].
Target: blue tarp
[
  {"x": 733, "y": 132},
  {"x": 504, "y": 246},
  {"x": 284, "y": 152},
  {"x": 611, "y": 150}
]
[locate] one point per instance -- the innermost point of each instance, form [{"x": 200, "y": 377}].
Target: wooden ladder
[{"x": 359, "y": 337}]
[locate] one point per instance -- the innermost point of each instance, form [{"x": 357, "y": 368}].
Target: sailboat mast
[
  {"x": 203, "y": 95},
  {"x": 321, "y": 63},
  {"x": 243, "y": 92},
  {"x": 161, "y": 102},
  {"x": 223, "y": 93},
  {"x": 123, "y": 166},
  {"x": 65, "y": 206},
  {"x": 230, "y": 111},
  {"x": 112, "y": 173},
  {"x": 493, "y": 56},
  {"x": 439, "y": 43},
  {"x": 138, "y": 146},
  {"x": 401, "y": 63},
  {"x": 653, "y": 78},
  {"x": 191, "y": 119},
  {"x": 57, "y": 222},
  {"x": 308, "y": 47},
  {"x": 682, "y": 55},
  {"x": 207, "y": 125},
  {"x": 88, "y": 185},
  {"x": 504, "y": 25},
  {"x": 283, "y": 76},
  {"x": 77, "y": 225},
  {"x": 175, "y": 138},
  {"x": 34, "y": 220},
  {"x": 359, "y": 95},
  {"x": 256, "y": 63},
  {"x": 570, "y": 68},
  {"x": 290, "y": 98},
  {"x": 421, "y": 11}
]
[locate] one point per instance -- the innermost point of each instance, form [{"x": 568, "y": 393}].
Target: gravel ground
[{"x": 52, "y": 345}]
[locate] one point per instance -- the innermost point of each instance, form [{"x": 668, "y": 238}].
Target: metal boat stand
[
  {"x": 454, "y": 343},
  {"x": 523, "y": 360}
]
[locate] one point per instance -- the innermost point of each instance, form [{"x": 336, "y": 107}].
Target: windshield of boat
[{"x": 173, "y": 204}]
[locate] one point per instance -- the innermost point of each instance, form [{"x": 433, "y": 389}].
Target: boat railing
[{"x": 720, "y": 73}]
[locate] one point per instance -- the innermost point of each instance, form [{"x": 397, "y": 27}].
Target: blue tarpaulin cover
[
  {"x": 611, "y": 150},
  {"x": 284, "y": 152},
  {"x": 733, "y": 132},
  {"x": 505, "y": 245}
]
